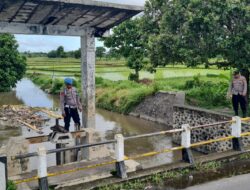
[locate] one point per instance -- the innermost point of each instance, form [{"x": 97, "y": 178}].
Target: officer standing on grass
[
  {"x": 70, "y": 104},
  {"x": 238, "y": 92}
]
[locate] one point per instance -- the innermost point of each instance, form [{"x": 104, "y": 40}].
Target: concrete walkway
[{"x": 241, "y": 182}]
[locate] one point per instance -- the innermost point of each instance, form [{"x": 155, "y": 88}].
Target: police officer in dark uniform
[
  {"x": 238, "y": 92},
  {"x": 70, "y": 104}
]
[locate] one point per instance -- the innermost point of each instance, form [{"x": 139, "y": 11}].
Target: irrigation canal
[{"x": 108, "y": 124}]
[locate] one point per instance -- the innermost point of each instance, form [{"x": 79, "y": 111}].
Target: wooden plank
[
  {"x": 63, "y": 12},
  {"x": 96, "y": 13},
  {"x": 99, "y": 19},
  {"x": 111, "y": 21},
  {"x": 26, "y": 12},
  {"x": 83, "y": 19},
  {"x": 50, "y": 15},
  {"x": 41, "y": 12},
  {"x": 106, "y": 23},
  {"x": 72, "y": 16},
  {"x": 9, "y": 10},
  {"x": 105, "y": 18},
  {"x": 33, "y": 127},
  {"x": 16, "y": 13},
  {"x": 37, "y": 140},
  {"x": 129, "y": 15},
  {"x": 32, "y": 13},
  {"x": 51, "y": 114},
  {"x": 45, "y": 138}
]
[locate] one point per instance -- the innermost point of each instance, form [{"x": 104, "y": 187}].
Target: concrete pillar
[
  {"x": 97, "y": 152},
  {"x": 119, "y": 153},
  {"x": 187, "y": 155},
  {"x": 17, "y": 145},
  {"x": 42, "y": 169},
  {"x": 88, "y": 78},
  {"x": 236, "y": 133},
  {"x": 3, "y": 172}
]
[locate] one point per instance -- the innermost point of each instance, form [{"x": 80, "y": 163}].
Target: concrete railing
[
  {"x": 120, "y": 158},
  {"x": 3, "y": 172}
]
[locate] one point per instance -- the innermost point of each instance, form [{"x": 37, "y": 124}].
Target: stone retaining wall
[
  {"x": 159, "y": 107},
  {"x": 194, "y": 116}
]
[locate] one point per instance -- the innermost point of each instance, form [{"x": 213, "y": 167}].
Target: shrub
[
  {"x": 12, "y": 64},
  {"x": 122, "y": 96},
  {"x": 57, "y": 86},
  {"x": 11, "y": 185},
  {"x": 98, "y": 80},
  {"x": 133, "y": 77},
  {"x": 209, "y": 94},
  {"x": 196, "y": 82}
]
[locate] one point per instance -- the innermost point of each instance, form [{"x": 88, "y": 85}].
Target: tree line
[
  {"x": 190, "y": 32},
  {"x": 101, "y": 52}
]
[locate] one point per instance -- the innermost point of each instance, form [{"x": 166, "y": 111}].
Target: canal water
[{"x": 107, "y": 123}]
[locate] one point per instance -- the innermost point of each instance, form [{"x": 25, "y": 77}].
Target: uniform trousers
[
  {"x": 239, "y": 99},
  {"x": 71, "y": 112}
]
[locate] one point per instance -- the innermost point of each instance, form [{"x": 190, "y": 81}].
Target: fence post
[
  {"x": 236, "y": 133},
  {"x": 42, "y": 169},
  {"x": 119, "y": 152},
  {"x": 187, "y": 155},
  {"x": 3, "y": 172}
]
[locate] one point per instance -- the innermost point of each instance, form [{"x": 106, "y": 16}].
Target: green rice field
[
  {"x": 203, "y": 87},
  {"x": 114, "y": 70}
]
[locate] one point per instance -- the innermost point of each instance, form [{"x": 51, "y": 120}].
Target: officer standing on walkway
[
  {"x": 238, "y": 92},
  {"x": 70, "y": 104}
]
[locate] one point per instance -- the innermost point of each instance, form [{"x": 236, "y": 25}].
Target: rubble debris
[{"x": 32, "y": 118}]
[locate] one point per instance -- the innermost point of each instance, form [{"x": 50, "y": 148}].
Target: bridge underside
[{"x": 62, "y": 17}]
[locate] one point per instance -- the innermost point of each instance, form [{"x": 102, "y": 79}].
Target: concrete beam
[
  {"x": 88, "y": 77},
  {"x": 37, "y": 29},
  {"x": 99, "y": 4}
]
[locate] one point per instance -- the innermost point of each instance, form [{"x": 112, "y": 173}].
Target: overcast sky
[{"x": 47, "y": 43}]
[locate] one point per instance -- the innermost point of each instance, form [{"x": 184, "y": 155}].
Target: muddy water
[{"x": 107, "y": 124}]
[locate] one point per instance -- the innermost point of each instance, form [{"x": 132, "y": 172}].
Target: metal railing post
[
  {"x": 42, "y": 169},
  {"x": 187, "y": 155},
  {"x": 3, "y": 172},
  {"x": 236, "y": 133},
  {"x": 119, "y": 153}
]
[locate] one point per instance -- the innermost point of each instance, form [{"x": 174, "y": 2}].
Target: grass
[
  {"x": 113, "y": 69},
  {"x": 220, "y": 168},
  {"x": 115, "y": 93},
  {"x": 245, "y": 156},
  {"x": 121, "y": 96},
  {"x": 208, "y": 166},
  {"x": 11, "y": 185},
  {"x": 160, "y": 179}
]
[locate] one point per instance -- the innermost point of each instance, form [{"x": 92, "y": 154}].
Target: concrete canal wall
[
  {"x": 159, "y": 107},
  {"x": 169, "y": 109},
  {"x": 195, "y": 117}
]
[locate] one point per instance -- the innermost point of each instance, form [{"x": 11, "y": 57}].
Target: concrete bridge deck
[
  {"x": 67, "y": 174},
  {"x": 93, "y": 177},
  {"x": 79, "y": 184}
]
